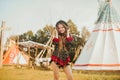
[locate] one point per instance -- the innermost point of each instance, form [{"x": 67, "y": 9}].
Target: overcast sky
[{"x": 24, "y": 15}]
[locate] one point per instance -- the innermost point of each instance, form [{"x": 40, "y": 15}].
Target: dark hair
[
  {"x": 63, "y": 35},
  {"x": 65, "y": 26},
  {"x": 61, "y": 22},
  {"x": 107, "y": 0}
]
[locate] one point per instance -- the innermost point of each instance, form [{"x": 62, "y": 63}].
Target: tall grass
[
  {"x": 99, "y": 75},
  {"x": 12, "y": 73}
]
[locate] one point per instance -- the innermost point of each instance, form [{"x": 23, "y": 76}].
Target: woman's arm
[
  {"x": 55, "y": 38},
  {"x": 69, "y": 40}
]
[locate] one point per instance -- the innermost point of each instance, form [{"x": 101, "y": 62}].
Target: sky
[{"x": 23, "y": 15}]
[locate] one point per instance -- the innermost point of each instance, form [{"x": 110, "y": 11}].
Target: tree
[
  {"x": 85, "y": 35},
  {"x": 29, "y": 35},
  {"x": 41, "y": 36},
  {"x": 73, "y": 28},
  {"x": 48, "y": 29}
]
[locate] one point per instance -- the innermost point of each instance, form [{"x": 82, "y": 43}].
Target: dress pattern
[{"x": 62, "y": 57}]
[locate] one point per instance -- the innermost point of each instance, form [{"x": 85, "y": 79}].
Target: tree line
[{"x": 43, "y": 35}]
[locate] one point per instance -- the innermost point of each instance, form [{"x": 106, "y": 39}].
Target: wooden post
[
  {"x": 1, "y": 42},
  {"x": 36, "y": 51},
  {"x": 3, "y": 27}
]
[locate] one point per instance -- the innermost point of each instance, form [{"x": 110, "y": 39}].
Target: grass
[{"x": 12, "y": 73}]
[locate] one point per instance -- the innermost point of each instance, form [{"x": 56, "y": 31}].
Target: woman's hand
[
  {"x": 56, "y": 33},
  {"x": 68, "y": 32}
]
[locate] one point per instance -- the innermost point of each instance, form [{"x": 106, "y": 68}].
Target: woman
[{"x": 60, "y": 58}]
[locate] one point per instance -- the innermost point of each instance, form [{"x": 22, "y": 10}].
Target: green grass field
[{"x": 12, "y": 73}]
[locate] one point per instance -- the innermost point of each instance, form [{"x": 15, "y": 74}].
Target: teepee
[
  {"x": 102, "y": 50},
  {"x": 14, "y": 56}
]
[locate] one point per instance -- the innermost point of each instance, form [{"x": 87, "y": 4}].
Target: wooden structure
[
  {"x": 31, "y": 44},
  {"x": 3, "y": 27}
]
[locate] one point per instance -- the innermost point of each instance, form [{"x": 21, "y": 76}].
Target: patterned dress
[{"x": 62, "y": 58}]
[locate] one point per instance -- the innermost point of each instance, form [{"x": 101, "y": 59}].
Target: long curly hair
[{"x": 62, "y": 36}]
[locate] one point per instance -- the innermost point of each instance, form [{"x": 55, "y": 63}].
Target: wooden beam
[
  {"x": 3, "y": 27},
  {"x": 1, "y": 42}
]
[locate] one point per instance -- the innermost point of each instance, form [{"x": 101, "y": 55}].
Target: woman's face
[{"x": 61, "y": 28}]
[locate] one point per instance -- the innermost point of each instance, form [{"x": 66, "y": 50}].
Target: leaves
[{"x": 43, "y": 35}]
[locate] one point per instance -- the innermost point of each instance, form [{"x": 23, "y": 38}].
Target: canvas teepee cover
[
  {"x": 102, "y": 50},
  {"x": 14, "y": 56}
]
